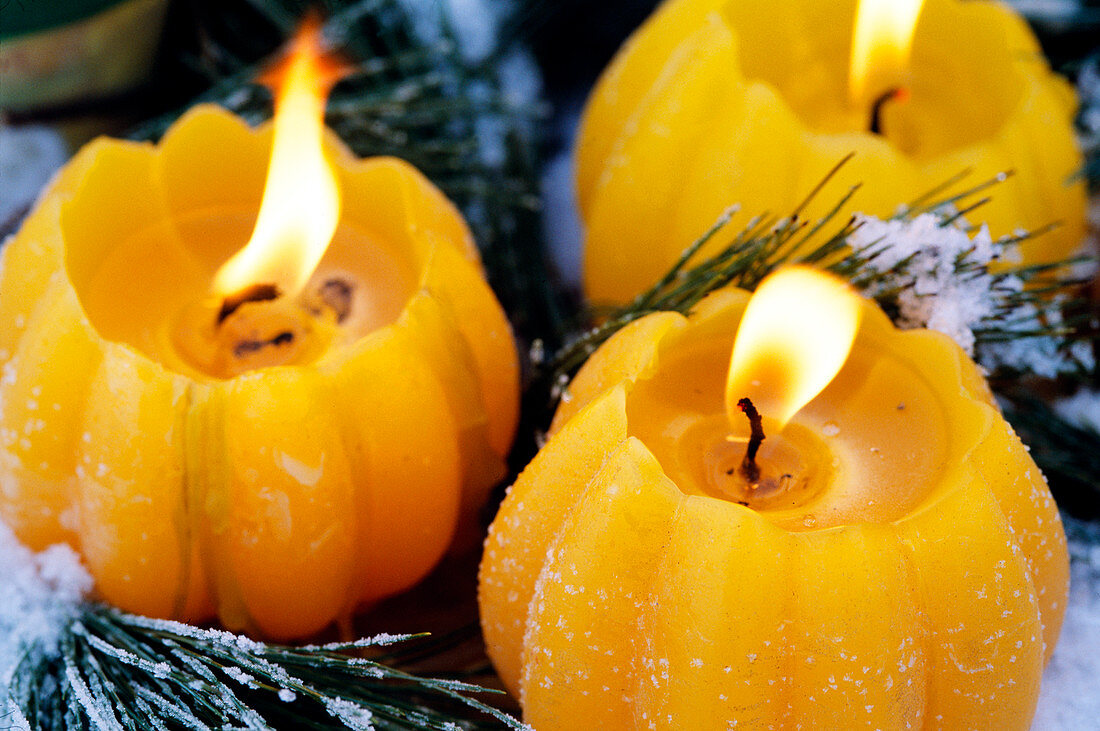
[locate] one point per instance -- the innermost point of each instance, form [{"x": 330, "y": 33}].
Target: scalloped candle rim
[
  {"x": 136, "y": 288},
  {"x": 887, "y": 435},
  {"x": 944, "y": 74}
]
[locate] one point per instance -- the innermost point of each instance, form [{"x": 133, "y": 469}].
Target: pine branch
[
  {"x": 1037, "y": 302},
  {"x": 119, "y": 671},
  {"x": 762, "y": 246},
  {"x": 1069, "y": 455}
]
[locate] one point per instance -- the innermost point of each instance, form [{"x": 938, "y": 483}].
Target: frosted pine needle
[
  {"x": 926, "y": 268},
  {"x": 69, "y": 664},
  {"x": 113, "y": 670},
  {"x": 40, "y": 594},
  {"x": 933, "y": 273}
]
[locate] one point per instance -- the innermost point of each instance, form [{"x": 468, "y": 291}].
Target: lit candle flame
[
  {"x": 881, "y": 44},
  {"x": 795, "y": 335},
  {"x": 301, "y": 202}
]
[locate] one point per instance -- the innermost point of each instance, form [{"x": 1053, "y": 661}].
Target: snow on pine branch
[
  {"x": 478, "y": 30},
  {"x": 72, "y": 665},
  {"x": 40, "y": 595},
  {"x": 952, "y": 281}
]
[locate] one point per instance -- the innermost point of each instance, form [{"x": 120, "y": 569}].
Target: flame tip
[
  {"x": 794, "y": 337},
  {"x": 308, "y": 45},
  {"x": 882, "y": 39},
  {"x": 301, "y": 200}
]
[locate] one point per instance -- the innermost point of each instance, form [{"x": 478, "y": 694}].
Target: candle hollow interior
[
  {"x": 870, "y": 448},
  {"x": 166, "y": 312},
  {"x": 948, "y": 71}
]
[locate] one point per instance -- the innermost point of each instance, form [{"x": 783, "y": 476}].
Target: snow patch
[
  {"x": 40, "y": 594},
  {"x": 937, "y": 293},
  {"x": 29, "y": 155},
  {"x": 1068, "y": 699},
  {"x": 1082, "y": 409}
]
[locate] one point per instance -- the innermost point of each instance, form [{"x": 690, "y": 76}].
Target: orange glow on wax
[
  {"x": 881, "y": 42},
  {"x": 301, "y": 202},
  {"x": 796, "y": 334}
]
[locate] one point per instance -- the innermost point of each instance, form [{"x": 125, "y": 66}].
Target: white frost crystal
[
  {"x": 350, "y": 714},
  {"x": 39, "y": 596},
  {"x": 938, "y": 297},
  {"x": 942, "y": 272}
]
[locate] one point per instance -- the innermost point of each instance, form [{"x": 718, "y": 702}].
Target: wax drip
[
  {"x": 899, "y": 94},
  {"x": 749, "y": 469}
]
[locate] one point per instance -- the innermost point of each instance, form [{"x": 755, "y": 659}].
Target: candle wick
[
  {"x": 336, "y": 294},
  {"x": 749, "y": 469},
  {"x": 254, "y": 293},
  {"x": 898, "y": 93},
  {"x": 246, "y": 348}
]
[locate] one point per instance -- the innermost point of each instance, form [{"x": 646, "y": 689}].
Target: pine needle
[
  {"x": 120, "y": 671},
  {"x": 1057, "y": 312}
]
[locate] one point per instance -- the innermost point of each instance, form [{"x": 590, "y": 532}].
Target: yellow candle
[
  {"x": 898, "y": 562},
  {"x": 713, "y": 103},
  {"x": 276, "y": 462}
]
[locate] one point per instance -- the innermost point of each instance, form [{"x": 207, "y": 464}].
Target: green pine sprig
[
  {"x": 765, "y": 244},
  {"x": 118, "y": 671}
]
